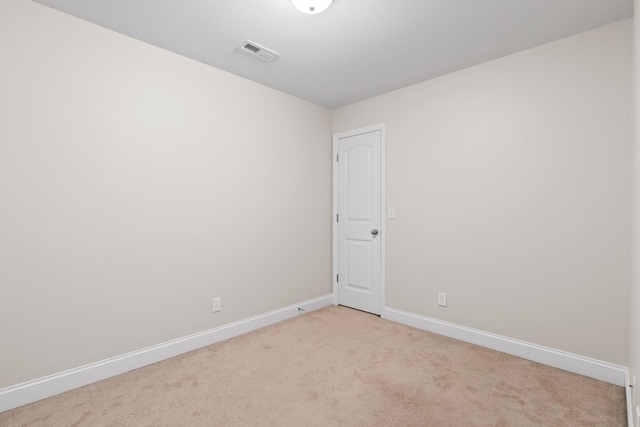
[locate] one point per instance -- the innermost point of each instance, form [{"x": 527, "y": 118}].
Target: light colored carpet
[{"x": 336, "y": 367}]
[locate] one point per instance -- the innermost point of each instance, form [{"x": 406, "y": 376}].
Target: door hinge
[
  {"x": 337, "y": 217},
  {"x": 337, "y": 277},
  {"x": 337, "y": 157}
]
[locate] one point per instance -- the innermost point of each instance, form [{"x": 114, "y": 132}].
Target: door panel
[
  {"x": 358, "y": 266},
  {"x": 358, "y": 177},
  {"x": 359, "y": 213}
]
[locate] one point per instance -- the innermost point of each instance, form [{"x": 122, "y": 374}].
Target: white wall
[
  {"x": 511, "y": 184},
  {"x": 634, "y": 307},
  {"x": 135, "y": 185}
]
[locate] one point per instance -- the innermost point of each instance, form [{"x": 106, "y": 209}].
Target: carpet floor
[{"x": 335, "y": 367}]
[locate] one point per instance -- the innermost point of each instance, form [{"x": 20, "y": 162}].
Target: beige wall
[
  {"x": 133, "y": 190},
  {"x": 135, "y": 185},
  {"x": 634, "y": 316},
  {"x": 511, "y": 184}
]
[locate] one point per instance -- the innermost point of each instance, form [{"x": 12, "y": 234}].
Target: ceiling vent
[{"x": 260, "y": 51}]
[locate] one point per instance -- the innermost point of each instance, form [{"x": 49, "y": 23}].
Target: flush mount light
[{"x": 311, "y": 6}]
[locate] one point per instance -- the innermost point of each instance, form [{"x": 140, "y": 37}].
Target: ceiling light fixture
[{"x": 311, "y": 6}]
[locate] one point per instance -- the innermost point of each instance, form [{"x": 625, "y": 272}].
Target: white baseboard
[
  {"x": 32, "y": 391},
  {"x": 627, "y": 386},
  {"x": 603, "y": 371}
]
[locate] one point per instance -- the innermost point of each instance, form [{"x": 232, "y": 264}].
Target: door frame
[{"x": 383, "y": 218}]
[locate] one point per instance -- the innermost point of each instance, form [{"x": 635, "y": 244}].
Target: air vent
[{"x": 260, "y": 51}]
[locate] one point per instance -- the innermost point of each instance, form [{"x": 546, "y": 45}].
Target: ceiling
[{"x": 354, "y": 50}]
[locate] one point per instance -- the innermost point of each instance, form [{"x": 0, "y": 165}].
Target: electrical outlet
[
  {"x": 442, "y": 299},
  {"x": 217, "y": 304}
]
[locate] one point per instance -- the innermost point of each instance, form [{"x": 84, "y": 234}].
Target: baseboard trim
[
  {"x": 603, "y": 371},
  {"x": 627, "y": 386},
  {"x": 32, "y": 391}
]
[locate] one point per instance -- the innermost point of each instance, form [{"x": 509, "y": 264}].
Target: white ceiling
[{"x": 354, "y": 50}]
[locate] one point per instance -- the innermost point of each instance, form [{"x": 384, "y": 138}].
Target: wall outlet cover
[
  {"x": 217, "y": 304},
  {"x": 442, "y": 299}
]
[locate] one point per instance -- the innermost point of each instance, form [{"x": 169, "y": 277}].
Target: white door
[{"x": 359, "y": 219}]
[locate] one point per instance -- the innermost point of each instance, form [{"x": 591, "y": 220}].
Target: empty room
[{"x": 292, "y": 212}]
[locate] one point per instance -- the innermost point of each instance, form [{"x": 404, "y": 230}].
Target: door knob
[{"x": 374, "y": 232}]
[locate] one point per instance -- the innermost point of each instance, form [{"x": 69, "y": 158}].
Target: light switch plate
[{"x": 391, "y": 213}]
